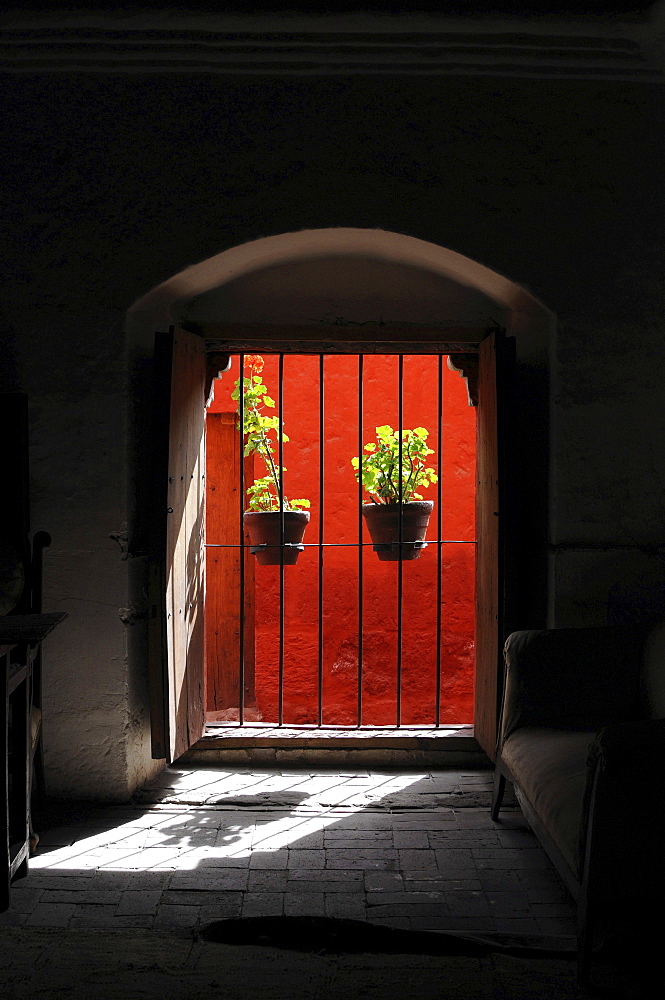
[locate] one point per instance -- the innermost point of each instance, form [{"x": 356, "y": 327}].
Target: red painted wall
[{"x": 300, "y": 413}]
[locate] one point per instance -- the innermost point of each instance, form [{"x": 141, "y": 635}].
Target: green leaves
[
  {"x": 380, "y": 473},
  {"x": 261, "y": 436}
]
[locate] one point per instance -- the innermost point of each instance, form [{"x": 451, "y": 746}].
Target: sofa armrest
[
  {"x": 635, "y": 749},
  {"x": 623, "y": 817},
  {"x": 574, "y": 678}
]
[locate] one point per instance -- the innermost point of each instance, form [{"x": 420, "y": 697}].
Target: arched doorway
[{"x": 337, "y": 289}]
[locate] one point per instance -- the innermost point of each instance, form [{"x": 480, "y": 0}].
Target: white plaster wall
[{"x": 77, "y": 495}]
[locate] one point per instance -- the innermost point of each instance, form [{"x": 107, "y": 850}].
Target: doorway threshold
[{"x": 400, "y": 748}]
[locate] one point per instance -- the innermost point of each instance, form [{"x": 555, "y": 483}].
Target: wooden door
[
  {"x": 493, "y": 530},
  {"x": 177, "y": 579}
]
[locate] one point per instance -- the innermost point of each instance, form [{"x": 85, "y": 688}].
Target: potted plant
[
  {"x": 275, "y": 529},
  {"x": 397, "y": 516}
]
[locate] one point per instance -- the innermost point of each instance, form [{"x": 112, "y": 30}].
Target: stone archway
[
  {"x": 359, "y": 275},
  {"x": 332, "y": 279}
]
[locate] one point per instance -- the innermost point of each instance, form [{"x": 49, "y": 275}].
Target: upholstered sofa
[{"x": 582, "y": 739}]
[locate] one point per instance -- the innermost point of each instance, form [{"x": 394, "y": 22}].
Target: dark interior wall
[
  {"x": 124, "y": 180},
  {"x": 115, "y": 183}
]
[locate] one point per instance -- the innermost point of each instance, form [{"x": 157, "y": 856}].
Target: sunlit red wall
[{"x": 300, "y": 412}]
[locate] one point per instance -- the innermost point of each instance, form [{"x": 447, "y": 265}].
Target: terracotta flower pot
[
  {"x": 383, "y": 526},
  {"x": 263, "y": 528}
]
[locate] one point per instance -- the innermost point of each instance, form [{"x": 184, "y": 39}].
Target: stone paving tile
[
  {"x": 265, "y": 904},
  {"x": 509, "y": 904},
  {"x": 228, "y": 900},
  {"x": 112, "y": 881},
  {"x": 183, "y": 897},
  {"x": 353, "y": 844},
  {"x": 499, "y": 880},
  {"x": 48, "y": 879},
  {"x": 230, "y": 907},
  {"x": 329, "y": 887},
  {"x": 304, "y": 859},
  {"x": 539, "y": 878},
  {"x": 23, "y": 899},
  {"x": 136, "y": 901},
  {"x": 418, "y": 860},
  {"x": 140, "y": 920},
  {"x": 348, "y": 906},
  {"x": 308, "y": 841},
  {"x": 328, "y": 875},
  {"x": 443, "y": 819},
  {"x": 453, "y": 855},
  {"x": 439, "y": 867},
  {"x": 151, "y": 857},
  {"x": 516, "y": 838},
  {"x": 95, "y": 896},
  {"x": 177, "y": 916},
  {"x": 267, "y": 881},
  {"x": 89, "y": 915},
  {"x": 471, "y": 819},
  {"x": 462, "y": 840},
  {"x": 51, "y": 915},
  {"x": 412, "y": 899},
  {"x": 336, "y": 837},
  {"x": 365, "y": 821},
  {"x": 211, "y": 880},
  {"x": 383, "y": 881},
  {"x": 412, "y": 839},
  {"x": 364, "y": 860},
  {"x": 457, "y": 869},
  {"x": 443, "y": 885},
  {"x": 434, "y": 874},
  {"x": 468, "y": 903},
  {"x": 60, "y": 836},
  {"x": 310, "y": 904},
  {"x": 239, "y": 862},
  {"x": 269, "y": 859},
  {"x": 509, "y": 859},
  {"x": 111, "y": 857}
]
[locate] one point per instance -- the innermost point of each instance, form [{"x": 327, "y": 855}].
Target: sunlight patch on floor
[{"x": 183, "y": 839}]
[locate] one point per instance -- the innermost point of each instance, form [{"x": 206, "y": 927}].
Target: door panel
[
  {"x": 493, "y": 515},
  {"x": 178, "y": 566}
]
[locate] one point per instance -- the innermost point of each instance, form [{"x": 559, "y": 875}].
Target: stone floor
[{"x": 412, "y": 851}]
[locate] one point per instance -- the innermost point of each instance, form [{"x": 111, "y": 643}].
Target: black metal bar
[
  {"x": 439, "y": 550},
  {"x": 359, "y": 710},
  {"x": 347, "y": 545},
  {"x": 321, "y": 480},
  {"x": 400, "y": 581},
  {"x": 320, "y": 544},
  {"x": 241, "y": 528},
  {"x": 280, "y": 441}
]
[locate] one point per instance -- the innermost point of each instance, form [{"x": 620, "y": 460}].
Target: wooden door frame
[
  {"x": 223, "y": 339},
  {"x": 176, "y": 582}
]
